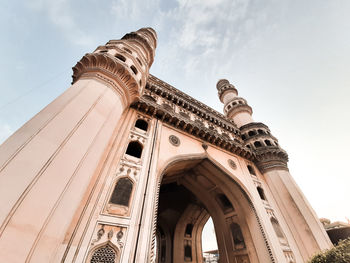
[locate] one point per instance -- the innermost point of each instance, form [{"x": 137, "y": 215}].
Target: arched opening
[
  {"x": 105, "y": 254},
  {"x": 224, "y": 203},
  {"x": 134, "y": 149},
  {"x": 122, "y": 192},
  {"x": 251, "y": 170},
  {"x": 268, "y": 143},
  {"x": 237, "y": 236},
  {"x": 134, "y": 69},
  {"x": 188, "y": 231},
  {"x": 188, "y": 251},
  {"x": 191, "y": 192},
  {"x": 120, "y": 57},
  {"x": 251, "y": 133},
  {"x": 261, "y": 131},
  {"x": 278, "y": 230},
  {"x": 257, "y": 144},
  {"x": 141, "y": 124},
  {"x": 209, "y": 243},
  {"x": 261, "y": 193}
]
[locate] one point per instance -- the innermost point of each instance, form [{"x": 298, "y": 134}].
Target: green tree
[{"x": 337, "y": 254}]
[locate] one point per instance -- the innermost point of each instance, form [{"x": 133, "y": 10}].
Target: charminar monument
[{"x": 123, "y": 167}]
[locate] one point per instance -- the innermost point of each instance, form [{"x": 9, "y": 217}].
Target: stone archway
[{"x": 193, "y": 190}]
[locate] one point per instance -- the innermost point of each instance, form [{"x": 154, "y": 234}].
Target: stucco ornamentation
[
  {"x": 174, "y": 140},
  {"x": 232, "y": 164}
]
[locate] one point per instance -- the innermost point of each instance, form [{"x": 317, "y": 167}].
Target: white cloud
[{"x": 61, "y": 16}]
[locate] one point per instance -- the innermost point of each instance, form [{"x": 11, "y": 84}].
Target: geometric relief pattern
[{"x": 105, "y": 254}]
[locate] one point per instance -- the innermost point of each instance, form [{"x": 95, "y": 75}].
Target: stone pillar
[{"x": 46, "y": 166}]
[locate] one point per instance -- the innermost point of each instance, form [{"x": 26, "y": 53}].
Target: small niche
[
  {"x": 134, "y": 149},
  {"x": 141, "y": 124}
]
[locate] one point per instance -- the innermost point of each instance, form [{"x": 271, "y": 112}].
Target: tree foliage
[{"x": 337, "y": 254}]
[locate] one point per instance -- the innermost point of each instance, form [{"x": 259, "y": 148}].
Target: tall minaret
[
  {"x": 235, "y": 108},
  {"x": 271, "y": 160},
  {"x": 48, "y": 166}
]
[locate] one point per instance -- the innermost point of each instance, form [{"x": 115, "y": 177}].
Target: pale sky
[{"x": 289, "y": 59}]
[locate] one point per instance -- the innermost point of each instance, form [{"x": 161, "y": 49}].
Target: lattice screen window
[{"x": 105, "y": 254}]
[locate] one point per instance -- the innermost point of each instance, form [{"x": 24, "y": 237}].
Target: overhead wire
[{"x": 43, "y": 84}]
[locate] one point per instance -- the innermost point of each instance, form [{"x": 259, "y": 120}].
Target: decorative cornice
[
  {"x": 265, "y": 157},
  {"x": 185, "y": 101},
  {"x": 269, "y": 158},
  {"x": 192, "y": 127},
  {"x": 233, "y": 108},
  {"x": 254, "y": 125},
  {"x": 111, "y": 68}
]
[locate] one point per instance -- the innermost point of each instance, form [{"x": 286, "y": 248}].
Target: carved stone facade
[{"x": 123, "y": 167}]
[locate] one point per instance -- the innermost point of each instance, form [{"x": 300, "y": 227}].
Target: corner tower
[
  {"x": 271, "y": 160},
  {"x": 52, "y": 168}
]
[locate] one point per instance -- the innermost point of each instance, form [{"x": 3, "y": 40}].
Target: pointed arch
[
  {"x": 106, "y": 252},
  {"x": 122, "y": 191},
  {"x": 232, "y": 187}
]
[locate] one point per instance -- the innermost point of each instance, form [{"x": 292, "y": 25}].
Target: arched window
[
  {"x": 268, "y": 143},
  {"x": 261, "y": 193},
  {"x": 188, "y": 253},
  {"x": 257, "y": 144},
  {"x": 278, "y": 230},
  {"x": 261, "y": 131},
  {"x": 237, "y": 236},
  {"x": 134, "y": 69},
  {"x": 141, "y": 124},
  {"x": 251, "y": 170},
  {"x": 277, "y": 227},
  {"x": 134, "y": 149},
  {"x": 122, "y": 192},
  {"x": 224, "y": 202},
  {"x": 105, "y": 254},
  {"x": 251, "y": 133},
  {"x": 243, "y": 137},
  {"x": 188, "y": 230},
  {"x": 120, "y": 57}
]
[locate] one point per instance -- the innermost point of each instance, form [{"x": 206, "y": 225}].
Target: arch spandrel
[{"x": 191, "y": 151}]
